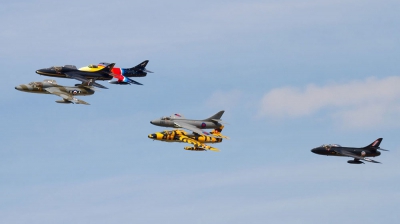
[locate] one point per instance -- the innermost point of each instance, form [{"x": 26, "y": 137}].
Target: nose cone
[
  {"x": 18, "y": 88},
  {"x": 151, "y": 122},
  {"x": 40, "y": 71},
  {"x": 152, "y": 136},
  {"x": 45, "y": 71},
  {"x": 319, "y": 150}
]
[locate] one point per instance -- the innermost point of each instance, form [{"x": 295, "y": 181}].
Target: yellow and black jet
[{"x": 195, "y": 139}]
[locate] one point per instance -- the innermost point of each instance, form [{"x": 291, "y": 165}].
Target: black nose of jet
[
  {"x": 151, "y": 122},
  {"x": 314, "y": 150}
]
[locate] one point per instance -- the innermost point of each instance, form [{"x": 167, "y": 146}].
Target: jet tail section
[
  {"x": 374, "y": 144},
  {"x": 142, "y": 67},
  {"x": 216, "y": 116},
  {"x": 217, "y": 132}
]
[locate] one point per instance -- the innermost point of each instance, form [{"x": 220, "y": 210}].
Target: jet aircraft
[
  {"x": 51, "y": 87},
  {"x": 178, "y": 121},
  {"x": 122, "y": 74},
  {"x": 358, "y": 154},
  {"x": 70, "y": 71},
  {"x": 194, "y": 139}
]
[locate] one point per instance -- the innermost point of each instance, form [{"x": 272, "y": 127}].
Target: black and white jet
[{"x": 359, "y": 154}]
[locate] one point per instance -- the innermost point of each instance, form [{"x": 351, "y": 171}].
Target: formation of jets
[
  {"x": 199, "y": 136},
  {"x": 88, "y": 76}
]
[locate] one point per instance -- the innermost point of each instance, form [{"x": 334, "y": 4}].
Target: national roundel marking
[{"x": 203, "y": 125}]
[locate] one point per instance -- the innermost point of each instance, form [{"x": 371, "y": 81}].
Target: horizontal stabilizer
[
  {"x": 218, "y": 121},
  {"x": 98, "y": 85}
]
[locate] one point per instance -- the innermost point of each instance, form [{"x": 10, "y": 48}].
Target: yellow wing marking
[{"x": 196, "y": 143}]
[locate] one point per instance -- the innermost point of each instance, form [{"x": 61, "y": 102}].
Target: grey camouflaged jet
[
  {"x": 51, "y": 87},
  {"x": 179, "y": 121}
]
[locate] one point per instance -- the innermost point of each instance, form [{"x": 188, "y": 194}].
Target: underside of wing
[
  {"x": 73, "y": 75},
  {"x": 68, "y": 98},
  {"x": 198, "y": 146},
  {"x": 357, "y": 157},
  {"x": 193, "y": 128}
]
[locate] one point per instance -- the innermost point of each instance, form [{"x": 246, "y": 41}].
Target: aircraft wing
[
  {"x": 193, "y": 128},
  {"x": 66, "y": 96},
  {"x": 73, "y": 75},
  {"x": 197, "y": 143},
  {"x": 347, "y": 153}
]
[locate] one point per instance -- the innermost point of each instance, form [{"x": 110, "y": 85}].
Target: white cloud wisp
[{"x": 359, "y": 104}]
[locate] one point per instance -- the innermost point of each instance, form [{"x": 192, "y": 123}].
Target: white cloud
[{"x": 358, "y": 104}]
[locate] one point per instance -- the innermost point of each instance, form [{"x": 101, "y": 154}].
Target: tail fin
[
  {"x": 216, "y": 116},
  {"x": 142, "y": 67},
  {"x": 374, "y": 144},
  {"x": 108, "y": 68}
]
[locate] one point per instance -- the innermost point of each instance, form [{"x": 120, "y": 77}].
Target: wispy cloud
[{"x": 359, "y": 104}]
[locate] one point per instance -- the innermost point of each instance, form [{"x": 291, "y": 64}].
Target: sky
[{"x": 290, "y": 75}]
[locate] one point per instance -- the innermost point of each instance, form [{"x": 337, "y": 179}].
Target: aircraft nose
[
  {"x": 151, "y": 122},
  {"x": 18, "y": 88},
  {"x": 314, "y": 150},
  {"x": 153, "y": 136}
]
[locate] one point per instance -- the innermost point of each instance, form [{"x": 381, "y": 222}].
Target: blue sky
[{"x": 290, "y": 75}]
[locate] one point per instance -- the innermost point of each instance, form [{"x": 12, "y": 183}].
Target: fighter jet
[
  {"x": 51, "y": 87},
  {"x": 358, "y": 154},
  {"x": 178, "y": 121},
  {"x": 70, "y": 71},
  {"x": 122, "y": 74},
  {"x": 194, "y": 139}
]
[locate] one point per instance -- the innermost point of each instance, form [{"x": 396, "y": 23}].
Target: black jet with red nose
[{"x": 358, "y": 154}]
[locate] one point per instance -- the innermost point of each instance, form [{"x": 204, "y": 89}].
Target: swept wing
[
  {"x": 76, "y": 76},
  {"x": 347, "y": 153},
  {"x": 190, "y": 127},
  {"x": 197, "y": 143},
  {"x": 66, "y": 96}
]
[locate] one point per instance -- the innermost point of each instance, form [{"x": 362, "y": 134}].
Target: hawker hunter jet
[
  {"x": 194, "y": 139},
  {"x": 71, "y": 72},
  {"x": 122, "y": 74},
  {"x": 357, "y": 153},
  {"x": 50, "y": 87},
  {"x": 178, "y": 121}
]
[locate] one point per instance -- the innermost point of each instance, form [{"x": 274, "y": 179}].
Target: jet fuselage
[
  {"x": 327, "y": 151},
  {"x": 168, "y": 122},
  {"x": 173, "y": 136},
  {"x": 39, "y": 87},
  {"x": 60, "y": 72}
]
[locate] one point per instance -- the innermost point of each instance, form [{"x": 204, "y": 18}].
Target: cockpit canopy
[
  {"x": 50, "y": 81},
  {"x": 56, "y": 68},
  {"x": 93, "y": 66},
  {"x": 36, "y": 84},
  {"x": 330, "y": 145},
  {"x": 165, "y": 118}
]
